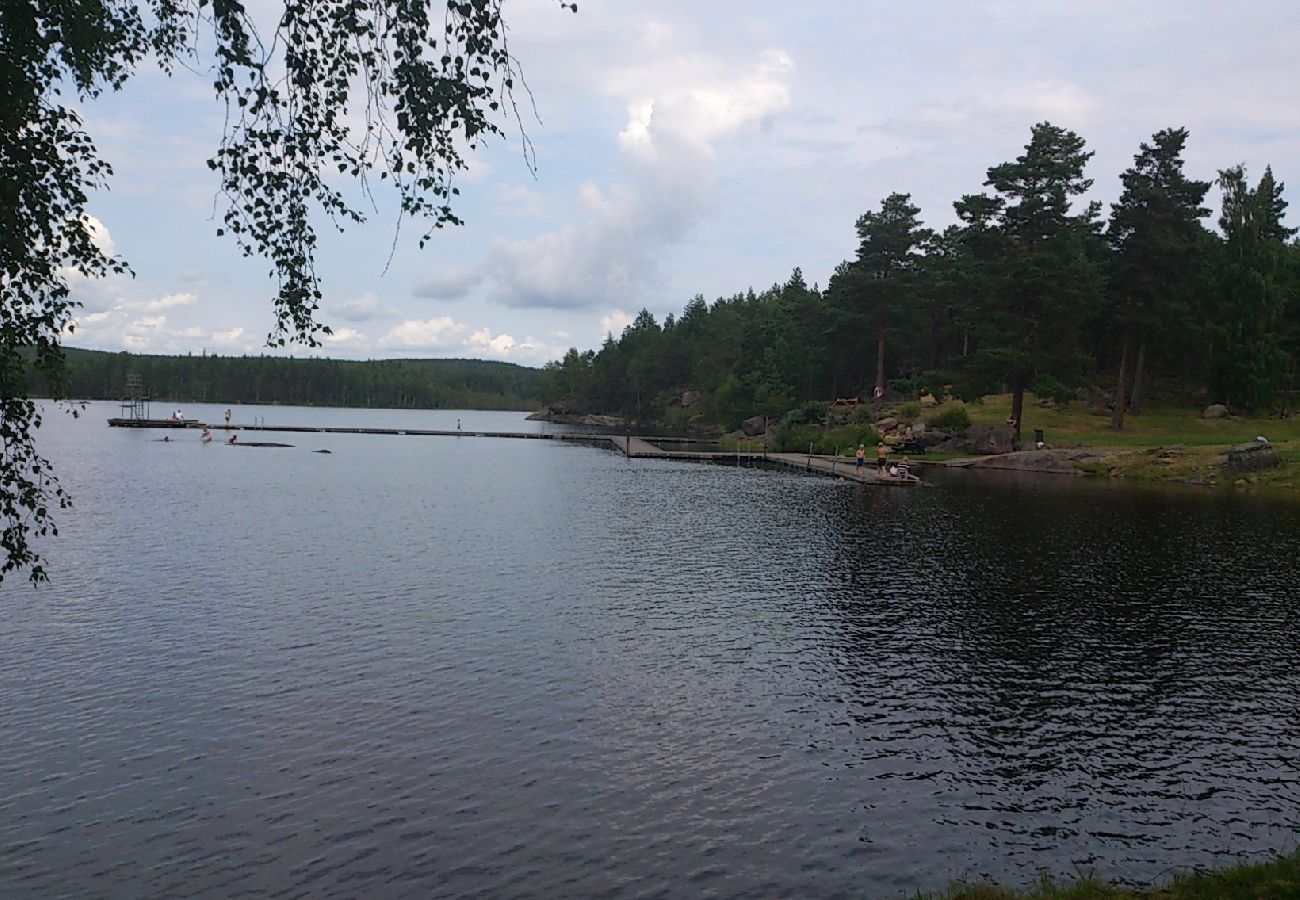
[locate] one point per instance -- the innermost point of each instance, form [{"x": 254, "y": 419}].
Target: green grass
[
  {"x": 1072, "y": 425},
  {"x": 1278, "y": 879},
  {"x": 1128, "y": 452}
]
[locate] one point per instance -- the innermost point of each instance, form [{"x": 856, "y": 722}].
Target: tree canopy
[{"x": 1029, "y": 292}]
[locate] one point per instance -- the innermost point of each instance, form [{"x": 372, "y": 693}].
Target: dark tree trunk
[
  {"x": 1017, "y": 406},
  {"x": 1139, "y": 373},
  {"x": 1125, "y": 377},
  {"x": 880, "y": 364},
  {"x": 936, "y": 333}
]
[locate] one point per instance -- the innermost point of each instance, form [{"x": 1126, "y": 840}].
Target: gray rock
[
  {"x": 1095, "y": 400},
  {"x": 1216, "y": 411},
  {"x": 689, "y": 399},
  {"x": 886, "y": 424},
  {"x": 918, "y": 427},
  {"x": 1252, "y": 457},
  {"x": 985, "y": 440},
  {"x": 1060, "y": 462},
  {"x": 755, "y": 426},
  {"x": 603, "y": 421}
]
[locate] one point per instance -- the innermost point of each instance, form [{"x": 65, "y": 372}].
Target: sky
[{"x": 687, "y": 148}]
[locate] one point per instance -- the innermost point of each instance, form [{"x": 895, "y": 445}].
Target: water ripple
[{"x": 493, "y": 668}]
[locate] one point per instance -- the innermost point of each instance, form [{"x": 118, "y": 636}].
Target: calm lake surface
[{"x": 425, "y": 667}]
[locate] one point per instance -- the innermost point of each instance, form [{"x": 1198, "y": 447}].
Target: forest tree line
[
  {"x": 405, "y": 383},
  {"x": 1032, "y": 291}
]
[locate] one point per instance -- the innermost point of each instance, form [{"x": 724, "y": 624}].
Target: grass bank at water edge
[{"x": 1278, "y": 879}]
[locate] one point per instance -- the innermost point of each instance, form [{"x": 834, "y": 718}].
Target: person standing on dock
[
  {"x": 458, "y": 424},
  {"x": 860, "y": 458},
  {"x": 227, "y": 417},
  {"x": 882, "y": 457}
]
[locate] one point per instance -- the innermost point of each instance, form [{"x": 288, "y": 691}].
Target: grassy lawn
[
  {"x": 1263, "y": 881},
  {"x": 1074, "y": 426},
  {"x": 1162, "y": 444}
]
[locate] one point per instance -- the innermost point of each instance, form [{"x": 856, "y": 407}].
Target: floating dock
[{"x": 631, "y": 446}]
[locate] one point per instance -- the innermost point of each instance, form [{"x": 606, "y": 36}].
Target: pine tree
[{"x": 1159, "y": 247}]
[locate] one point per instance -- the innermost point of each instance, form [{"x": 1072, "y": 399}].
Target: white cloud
[
  {"x": 439, "y": 334},
  {"x": 230, "y": 339},
  {"x": 680, "y": 108},
  {"x": 450, "y": 283},
  {"x": 169, "y": 301},
  {"x": 615, "y": 322},
  {"x": 346, "y": 339},
  {"x": 364, "y": 308},
  {"x": 444, "y": 336},
  {"x": 100, "y": 236}
]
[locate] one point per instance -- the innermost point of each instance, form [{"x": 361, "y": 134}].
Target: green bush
[
  {"x": 951, "y": 416},
  {"x": 908, "y": 412},
  {"x": 792, "y": 438},
  {"x": 813, "y": 412},
  {"x": 1045, "y": 386},
  {"x": 908, "y": 387},
  {"x": 845, "y": 440}
]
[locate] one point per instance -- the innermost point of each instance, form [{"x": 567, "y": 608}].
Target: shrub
[
  {"x": 1047, "y": 386},
  {"x": 904, "y": 386},
  {"x": 813, "y": 412},
  {"x": 951, "y": 416},
  {"x": 908, "y": 412},
  {"x": 791, "y": 438},
  {"x": 798, "y": 439}
]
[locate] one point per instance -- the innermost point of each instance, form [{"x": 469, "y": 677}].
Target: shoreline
[{"x": 1277, "y": 878}]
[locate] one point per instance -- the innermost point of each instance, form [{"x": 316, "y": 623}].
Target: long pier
[{"x": 631, "y": 446}]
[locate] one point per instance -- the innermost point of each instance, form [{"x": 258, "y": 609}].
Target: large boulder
[
  {"x": 596, "y": 421},
  {"x": 689, "y": 399},
  {"x": 1095, "y": 400},
  {"x": 889, "y": 423},
  {"x": 553, "y": 413},
  {"x": 755, "y": 426},
  {"x": 986, "y": 440},
  {"x": 1059, "y": 462},
  {"x": 1252, "y": 457},
  {"x": 1216, "y": 411}
]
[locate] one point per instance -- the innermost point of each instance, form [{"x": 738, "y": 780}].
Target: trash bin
[{"x": 1038, "y": 437}]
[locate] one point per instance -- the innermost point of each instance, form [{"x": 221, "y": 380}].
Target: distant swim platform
[{"x": 631, "y": 446}]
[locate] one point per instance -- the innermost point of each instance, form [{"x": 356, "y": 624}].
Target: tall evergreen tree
[
  {"x": 890, "y": 261},
  {"x": 1250, "y": 362},
  {"x": 1038, "y": 278},
  {"x": 1159, "y": 244}
]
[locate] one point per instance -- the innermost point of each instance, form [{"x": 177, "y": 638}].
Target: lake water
[{"x": 426, "y": 666}]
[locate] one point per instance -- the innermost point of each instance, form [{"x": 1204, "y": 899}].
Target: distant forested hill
[{"x": 410, "y": 383}]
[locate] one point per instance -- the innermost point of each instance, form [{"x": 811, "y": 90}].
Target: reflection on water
[{"x": 458, "y": 666}]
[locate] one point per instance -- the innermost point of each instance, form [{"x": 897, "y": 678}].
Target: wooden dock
[{"x": 631, "y": 446}]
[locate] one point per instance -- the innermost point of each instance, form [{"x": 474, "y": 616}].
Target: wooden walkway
[{"x": 631, "y": 446}]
